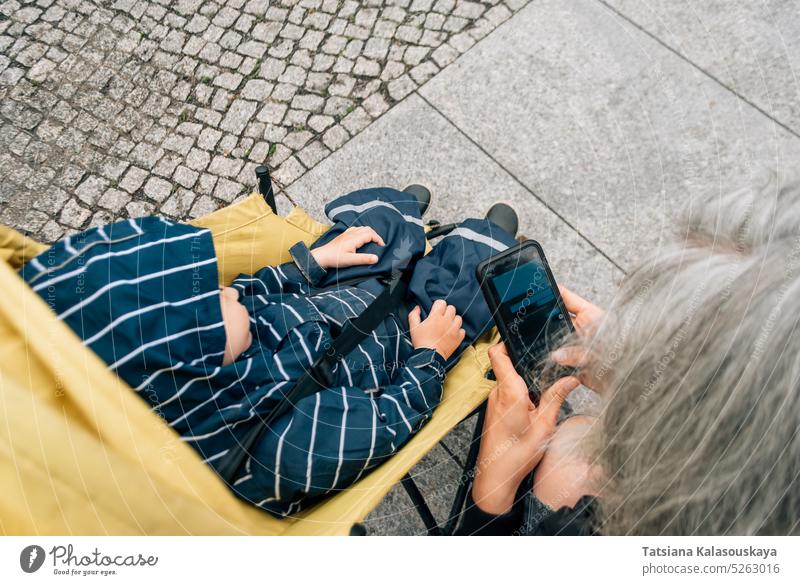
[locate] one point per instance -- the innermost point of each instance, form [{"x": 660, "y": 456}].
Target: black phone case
[{"x": 494, "y": 303}]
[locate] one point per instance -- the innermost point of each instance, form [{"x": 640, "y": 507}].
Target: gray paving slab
[
  {"x": 605, "y": 124},
  {"x": 752, "y": 47},
  {"x": 413, "y": 143}
]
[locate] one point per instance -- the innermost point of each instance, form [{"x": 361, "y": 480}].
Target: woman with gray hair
[{"x": 698, "y": 360}]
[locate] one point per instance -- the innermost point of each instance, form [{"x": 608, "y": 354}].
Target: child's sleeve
[
  {"x": 332, "y": 438},
  {"x": 296, "y": 276}
]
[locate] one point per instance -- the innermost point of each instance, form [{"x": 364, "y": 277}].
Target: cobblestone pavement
[{"x": 122, "y": 108}]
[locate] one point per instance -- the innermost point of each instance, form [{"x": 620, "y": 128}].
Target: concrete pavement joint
[
  {"x": 702, "y": 70},
  {"x": 516, "y": 179}
]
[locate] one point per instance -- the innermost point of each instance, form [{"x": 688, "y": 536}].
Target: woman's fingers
[
  {"x": 498, "y": 356},
  {"x": 585, "y": 312},
  {"x": 574, "y": 303},
  {"x": 579, "y": 358},
  {"x": 511, "y": 385},
  {"x": 499, "y": 348},
  {"x": 571, "y": 356},
  {"x": 552, "y": 398}
]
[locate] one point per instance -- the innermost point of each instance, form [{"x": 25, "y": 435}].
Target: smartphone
[{"x": 526, "y": 306}]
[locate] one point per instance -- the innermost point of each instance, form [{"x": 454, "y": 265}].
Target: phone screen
[{"x": 528, "y": 303}]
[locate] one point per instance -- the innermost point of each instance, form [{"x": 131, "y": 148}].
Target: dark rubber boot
[
  {"x": 504, "y": 216},
  {"x": 422, "y": 194}
]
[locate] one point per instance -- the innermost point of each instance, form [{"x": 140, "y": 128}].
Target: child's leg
[
  {"x": 248, "y": 237},
  {"x": 448, "y": 272}
]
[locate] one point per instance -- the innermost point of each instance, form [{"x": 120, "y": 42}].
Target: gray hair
[{"x": 699, "y": 357}]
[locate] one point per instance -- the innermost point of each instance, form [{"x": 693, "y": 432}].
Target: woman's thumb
[{"x": 552, "y": 398}]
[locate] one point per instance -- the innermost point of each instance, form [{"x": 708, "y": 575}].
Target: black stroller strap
[{"x": 320, "y": 375}]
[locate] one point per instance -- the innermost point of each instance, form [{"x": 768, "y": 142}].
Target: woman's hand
[
  {"x": 584, "y": 315},
  {"x": 441, "y": 331},
  {"x": 340, "y": 252},
  {"x": 515, "y": 433}
]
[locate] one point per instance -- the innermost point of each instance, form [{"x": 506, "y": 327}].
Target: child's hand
[
  {"x": 441, "y": 331},
  {"x": 340, "y": 252}
]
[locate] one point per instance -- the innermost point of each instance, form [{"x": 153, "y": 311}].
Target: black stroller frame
[{"x": 433, "y": 527}]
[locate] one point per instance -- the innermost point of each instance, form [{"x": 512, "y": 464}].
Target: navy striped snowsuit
[{"x": 143, "y": 295}]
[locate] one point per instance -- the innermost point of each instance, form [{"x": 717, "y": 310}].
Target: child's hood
[{"x": 142, "y": 293}]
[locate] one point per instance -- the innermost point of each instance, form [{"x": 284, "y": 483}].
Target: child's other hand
[
  {"x": 441, "y": 331},
  {"x": 340, "y": 252}
]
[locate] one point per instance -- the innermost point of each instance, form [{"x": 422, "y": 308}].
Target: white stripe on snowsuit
[
  {"x": 371, "y": 205},
  {"x": 144, "y": 278},
  {"x": 469, "y": 234}
]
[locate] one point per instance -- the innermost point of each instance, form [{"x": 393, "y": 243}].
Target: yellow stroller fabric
[{"x": 80, "y": 453}]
